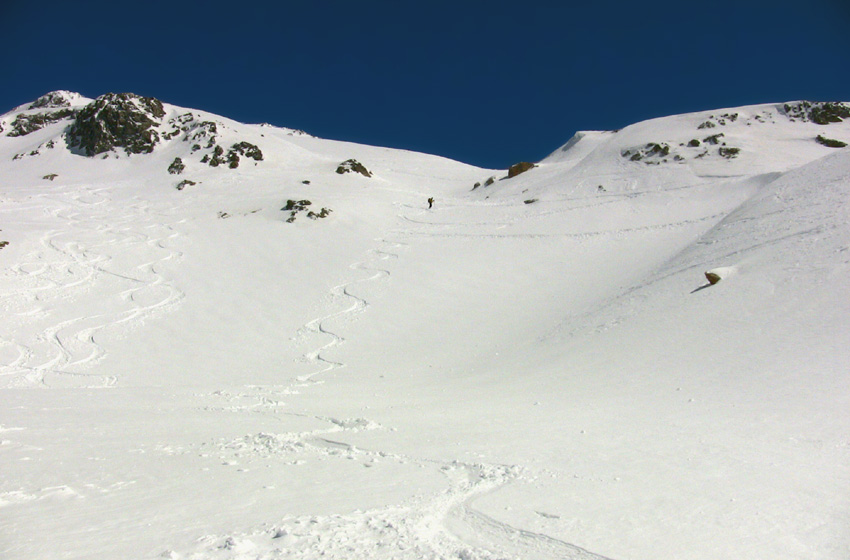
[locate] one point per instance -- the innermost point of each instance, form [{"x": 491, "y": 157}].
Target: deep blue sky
[{"x": 488, "y": 83}]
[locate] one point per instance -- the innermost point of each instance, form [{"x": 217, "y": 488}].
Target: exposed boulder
[
  {"x": 520, "y": 167},
  {"x": 714, "y": 139},
  {"x": 323, "y": 213},
  {"x": 352, "y": 165},
  {"x": 712, "y": 277},
  {"x": 177, "y": 166},
  {"x": 829, "y": 142},
  {"x": 50, "y": 176},
  {"x": 185, "y": 183},
  {"x": 117, "y": 120}
]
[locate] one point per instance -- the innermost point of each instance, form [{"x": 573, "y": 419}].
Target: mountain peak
[
  {"x": 113, "y": 120},
  {"x": 56, "y": 99}
]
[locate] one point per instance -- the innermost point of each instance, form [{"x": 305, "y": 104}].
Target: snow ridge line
[{"x": 577, "y": 235}]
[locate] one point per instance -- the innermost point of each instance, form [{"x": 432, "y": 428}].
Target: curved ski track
[
  {"x": 357, "y": 306},
  {"x": 93, "y": 231}
]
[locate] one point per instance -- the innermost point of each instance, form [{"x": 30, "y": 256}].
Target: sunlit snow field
[{"x": 533, "y": 369}]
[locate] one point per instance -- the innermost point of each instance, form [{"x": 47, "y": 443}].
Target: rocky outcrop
[
  {"x": 204, "y": 130},
  {"x": 352, "y": 165},
  {"x": 296, "y": 206},
  {"x": 54, "y": 99},
  {"x": 817, "y": 112},
  {"x": 518, "y": 168},
  {"x": 652, "y": 151},
  {"x": 245, "y": 149},
  {"x": 719, "y": 120},
  {"x": 216, "y": 159},
  {"x": 829, "y": 142},
  {"x": 231, "y": 158},
  {"x": 117, "y": 120},
  {"x": 657, "y": 153},
  {"x": 27, "y": 124},
  {"x": 177, "y": 166}
]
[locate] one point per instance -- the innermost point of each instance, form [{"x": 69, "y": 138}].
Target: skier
[{"x": 430, "y": 202}]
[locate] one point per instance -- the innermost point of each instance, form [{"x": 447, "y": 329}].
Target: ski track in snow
[
  {"x": 439, "y": 526},
  {"x": 444, "y": 525},
  {"x": 429, "y": 527},
  {"x": 357, "y": 306},
  {"x": 74, "y": 257}
]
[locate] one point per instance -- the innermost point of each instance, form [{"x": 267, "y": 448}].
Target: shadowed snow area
[{"x": 537, "y": 368}]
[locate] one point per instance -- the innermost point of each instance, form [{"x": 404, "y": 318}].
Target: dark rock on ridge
[
  {"x": 27, "y": 124},
  {"x": 352, "y": 165},
  {"x": 818, "y": 112},
  {"x": 518, "y": 168},
  {"x": 53, "y": 100},
  {"x": 117, "y": 120}
]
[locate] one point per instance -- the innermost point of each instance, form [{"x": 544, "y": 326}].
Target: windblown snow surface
[{"x": 534, "y": 369}]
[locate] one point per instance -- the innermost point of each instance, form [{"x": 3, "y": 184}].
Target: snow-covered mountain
[{"x": 223, "y": 340}]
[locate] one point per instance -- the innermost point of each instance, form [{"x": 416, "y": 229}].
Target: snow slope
[{"x": 536, "y": 368}]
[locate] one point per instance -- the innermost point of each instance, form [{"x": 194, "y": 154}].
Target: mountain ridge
[{"x": 711, "y": 126}]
